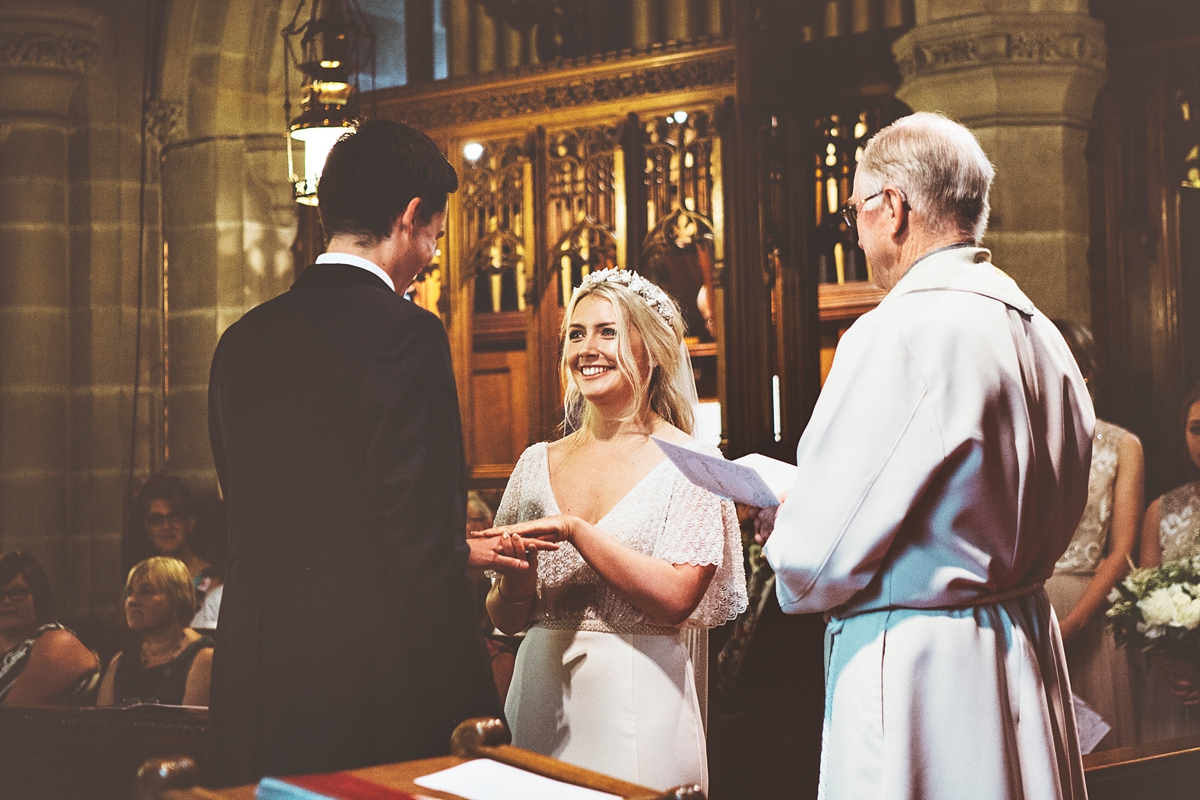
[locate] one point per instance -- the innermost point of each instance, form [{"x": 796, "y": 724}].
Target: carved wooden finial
[
  {"x": 157, "y": 775},
  {"x": 478, "y": 732}
]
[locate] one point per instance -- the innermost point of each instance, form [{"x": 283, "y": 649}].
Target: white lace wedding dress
[{"x": 597, "y": 683}]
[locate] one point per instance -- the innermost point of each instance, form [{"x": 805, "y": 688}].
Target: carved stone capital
[
  {"x": 161, "y": 118},
  {"x": 45, "y": 50},
  {"x": 1001, "y": 39},
  {"x": 1036, "y": 68}
]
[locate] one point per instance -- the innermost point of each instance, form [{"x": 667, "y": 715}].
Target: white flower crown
[{"x": 649, "y": 291}]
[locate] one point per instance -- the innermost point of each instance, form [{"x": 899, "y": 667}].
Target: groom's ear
[{"x": 406, "y": 220}]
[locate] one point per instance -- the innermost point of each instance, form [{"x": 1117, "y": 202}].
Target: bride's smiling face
[{"x": 593, "y": 353}]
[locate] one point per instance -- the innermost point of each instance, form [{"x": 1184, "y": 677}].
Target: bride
[{"x": 612, "y": 673}]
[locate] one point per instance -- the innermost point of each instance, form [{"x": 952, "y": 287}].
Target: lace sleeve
[
  {"x": 510, "y": 504},
  {"x": 700, "y": 528}
]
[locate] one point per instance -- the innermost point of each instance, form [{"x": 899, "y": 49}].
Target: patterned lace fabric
[
  {"x": 1179, "y": 523},
  {"x": 1086, "y": 549},
  {"x": 664, "y": 516}
]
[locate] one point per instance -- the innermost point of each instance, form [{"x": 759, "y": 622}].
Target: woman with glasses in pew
[{"x": 41, "y": 662}]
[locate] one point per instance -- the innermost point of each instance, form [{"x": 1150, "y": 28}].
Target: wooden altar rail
[
  {"x": 93, "y": 754},
  {"x": 488, "y": 738},
  {"x": 175, "y": 779}
]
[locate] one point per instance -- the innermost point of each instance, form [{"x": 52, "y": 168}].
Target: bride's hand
[
  {"x": 559, "y": 528},
  {"x": 504, "y": 552}
]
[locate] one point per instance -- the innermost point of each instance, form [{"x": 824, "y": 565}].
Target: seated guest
[
  {"x": 41, "y": 662},
  {"x": 1170, "y": 532},
  {"x": 163, "y": 521},
  {"x": 209, "y": 589},
  {"x": 169, "y": 663},
  {"x": 1097, "y": 557}
]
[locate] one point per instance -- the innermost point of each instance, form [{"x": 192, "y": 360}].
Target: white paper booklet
[
  {"x": 754, "y": 479},
  {"x": 1089, "y": 725},
  {"x": 484, "y": 779}
]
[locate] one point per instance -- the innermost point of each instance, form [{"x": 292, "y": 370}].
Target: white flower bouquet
[{"x": 1158, "y": 610}]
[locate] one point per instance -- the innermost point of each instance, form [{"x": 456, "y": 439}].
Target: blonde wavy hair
[
  {"x": 171, "y": 577},
  {"x": 663, "y": 339}
]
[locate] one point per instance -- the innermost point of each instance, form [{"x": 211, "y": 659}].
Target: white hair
[{"x": 939, "y": 166}]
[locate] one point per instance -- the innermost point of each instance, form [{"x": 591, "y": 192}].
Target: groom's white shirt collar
[{"x": 360, "y": 262}]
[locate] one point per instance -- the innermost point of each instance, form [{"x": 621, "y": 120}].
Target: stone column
[
  {"x": 45, "y": 50},
  {"x": 1025, "y": 83},
  {"x": 226, "y": 254}
]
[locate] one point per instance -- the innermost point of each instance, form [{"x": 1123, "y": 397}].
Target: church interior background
[{"x": 145, "y": 204}]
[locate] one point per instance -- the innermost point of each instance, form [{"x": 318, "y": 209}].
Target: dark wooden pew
[
  {"x": 1169, "y": 769},
  {"x": 54, "y": 753}
]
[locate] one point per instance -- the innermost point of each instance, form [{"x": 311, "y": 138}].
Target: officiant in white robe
[{"x": 941, "y": 476}]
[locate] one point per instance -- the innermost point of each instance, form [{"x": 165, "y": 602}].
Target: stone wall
[{"x": 88, "y": 136}]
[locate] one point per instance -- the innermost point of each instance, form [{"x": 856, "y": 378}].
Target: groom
[{"x": 348, "y": 633}]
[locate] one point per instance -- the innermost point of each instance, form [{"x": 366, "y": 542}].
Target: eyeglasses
[
  {"x": 18, "y": 595},
  {"x": 850, "y": 210},
  {"x": 158, "y": 520}
]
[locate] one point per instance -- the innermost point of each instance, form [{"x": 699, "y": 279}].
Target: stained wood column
[
  {"x": 418, "y": 35},
  {"x": 459, "y": 37}
]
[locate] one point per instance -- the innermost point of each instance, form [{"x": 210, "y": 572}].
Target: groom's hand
[
  {"x": 764, "y": 524},
  {"x": 764, "y": 519}
]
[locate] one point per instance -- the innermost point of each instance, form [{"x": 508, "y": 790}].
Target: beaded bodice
[
  {"x": 1086, "y": 549},
  {"x": 664, "y": 516},
  {"x": 1179, "y": 523}
]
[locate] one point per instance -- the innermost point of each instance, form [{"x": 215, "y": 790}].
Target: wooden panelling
[{"x": 499, "y": 408}]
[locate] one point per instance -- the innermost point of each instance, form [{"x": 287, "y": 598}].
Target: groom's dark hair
[{"x": 374, "y": 172}]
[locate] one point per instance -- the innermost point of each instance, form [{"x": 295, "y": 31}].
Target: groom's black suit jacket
[{"x": 348, "y": 633}]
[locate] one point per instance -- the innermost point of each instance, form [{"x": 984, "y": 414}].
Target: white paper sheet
[
  {"x": 727, "y": 479},
  {"x": 484, "y": 779},
  {"x": 1089, "y": 725},
  {"x": 778, "y": 475}
]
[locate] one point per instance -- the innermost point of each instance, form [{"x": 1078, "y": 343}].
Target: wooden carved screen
[
  {"x": 683, "y": 251},
  {"x": 846, "y": 286},
  {"x": 555, "y": 184},
  {"x": 1144, "y": 251},
  {"x": 584, "y": 203},
  {"x": 495, "y": 243}
]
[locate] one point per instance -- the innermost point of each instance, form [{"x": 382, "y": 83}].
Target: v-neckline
[{"x": 616, "y": 505}]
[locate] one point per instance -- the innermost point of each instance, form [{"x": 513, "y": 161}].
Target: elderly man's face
[
  {"x": 877, "y": 226},
  {"x": 872, "y": 236}
]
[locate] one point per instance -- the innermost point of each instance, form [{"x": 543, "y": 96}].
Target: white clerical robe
[{"x": 934, "y": 476}]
